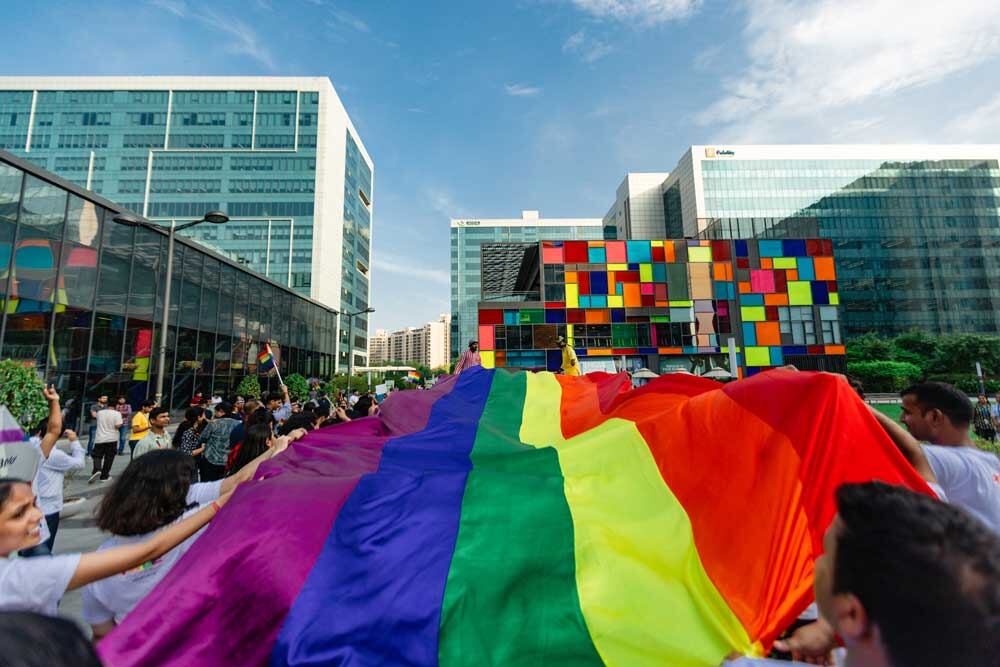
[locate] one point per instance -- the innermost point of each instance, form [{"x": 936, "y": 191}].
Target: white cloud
[
  {"x": 705, "y": 59},
  {"x": 350, "y": 20},
  {"x": 175, "y": 7},
  {"x": 409, "y": 268},
  {"x": 830, "y": 62},
  {"x": 443, "y": 203},
  {"x": 589, "y": 50},
  {"x": 521, "y": 90},
  {"x": 244, "y": 40},
  {"x": 643, "y": 12},
  {"x": 980, "y": 125}
]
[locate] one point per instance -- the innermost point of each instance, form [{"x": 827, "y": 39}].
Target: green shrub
[
  {"x": 249, "y": 387},
  {"x": 884, "y": 376},
  {"x": 21, "y": 392},
  {"x": 298, "y": 387}
]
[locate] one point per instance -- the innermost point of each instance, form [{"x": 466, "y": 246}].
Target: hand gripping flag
[
  {"x": 516, "y": 518},
  {"x": 265, "y": 360}
]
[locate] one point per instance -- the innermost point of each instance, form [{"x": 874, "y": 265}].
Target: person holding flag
[{"x": 279, "y": 404}]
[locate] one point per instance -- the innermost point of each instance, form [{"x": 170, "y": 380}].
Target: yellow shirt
[
  {"x": 570, "y": 365},
  {"x": 140, "y": 426}
]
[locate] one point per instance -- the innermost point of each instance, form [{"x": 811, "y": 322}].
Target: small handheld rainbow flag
[
  {"x": 265, "y": 360},
  {"x": 413, "y": 376}
]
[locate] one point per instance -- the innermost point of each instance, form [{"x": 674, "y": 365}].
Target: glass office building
[
  {"x": 471, "y": 282},
  {"x": 279, "y": 155},
  {"x": 83, "y": 301},
  {"x": 915, "y": 229}
]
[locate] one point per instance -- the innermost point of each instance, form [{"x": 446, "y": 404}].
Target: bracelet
[{"x": 216, "y": 506}]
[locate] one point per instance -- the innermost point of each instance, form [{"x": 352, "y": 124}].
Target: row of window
[
  {"x": 79, "y": 163},
  {"x": 158, "y": 97},
  {"x": 273, "y": 186}
]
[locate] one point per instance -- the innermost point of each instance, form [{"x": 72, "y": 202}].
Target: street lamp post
[
  {"x": 133, "y": 220},
  {"x": 350, "y": 343}
]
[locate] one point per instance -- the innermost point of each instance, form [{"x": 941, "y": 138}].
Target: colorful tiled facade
[{"x": 653, "y": 301}]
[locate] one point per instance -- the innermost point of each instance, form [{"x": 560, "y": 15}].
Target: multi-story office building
[
  {"x": 427, "y": 345},
  {"x": 477, "y": 277},
  {"x": 638, "y": 209},
  {"x": 279, "y": 155},
  {"x": 915, "y": 228},
  {"x": 82, "y": 301}
]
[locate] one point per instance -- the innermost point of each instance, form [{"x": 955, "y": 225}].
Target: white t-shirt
[
  {"x": 970, "y": 479},
  {"x": 109, "y": 421},
  {"x": 49, "y": 478},
  {"x": 35, "y": 584},
  {"x": 116, "y": 596}
]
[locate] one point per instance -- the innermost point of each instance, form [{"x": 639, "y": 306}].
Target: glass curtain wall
[{"x": 81, "y": 300}]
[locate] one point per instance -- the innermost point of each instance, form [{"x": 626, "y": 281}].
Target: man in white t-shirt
[
  {"x": 109, "y": 423},
  {"x": 940, "y": 414},
  {"x": 108, "y": 601}
]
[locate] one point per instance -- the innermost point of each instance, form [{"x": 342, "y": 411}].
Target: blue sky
[{"x": 483, "y": 109}]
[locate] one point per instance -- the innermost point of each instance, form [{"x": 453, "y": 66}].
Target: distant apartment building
[
  {"x": 638, "y": 209},
  {"x": 427, "y": 345},
  {"x": 477, "y": 276},
  {"x": 279, "y": 155}
]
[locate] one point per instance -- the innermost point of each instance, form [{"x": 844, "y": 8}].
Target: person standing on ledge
[
  {"x": 570, "y": 364},
  {"x": 469, "y": 358}
]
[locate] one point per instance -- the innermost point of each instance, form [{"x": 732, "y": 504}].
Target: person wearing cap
[
  {"x": 570, "y": 364},
  {"x": 469, "y": 358}
]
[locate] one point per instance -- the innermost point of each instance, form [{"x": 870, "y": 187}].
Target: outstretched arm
[
  {"x": 907, "y": 444},
  {"x": 98, "y": 565}
]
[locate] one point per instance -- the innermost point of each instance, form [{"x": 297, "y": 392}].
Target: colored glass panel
[{"x": 799, "y": 293}]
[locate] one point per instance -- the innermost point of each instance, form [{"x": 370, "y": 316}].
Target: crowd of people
[{"x": 906, "y": 580}]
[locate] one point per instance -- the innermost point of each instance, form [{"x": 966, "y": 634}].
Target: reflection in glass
[
  {"x": 27, "y": 335},
  {"x": 83, "y": 223},
  {"x": 79, "y": 276},
  {"x": 69, "y": 341},
  {"x": 33, "y": 275},
  {"x": 43, "y": 207},
  {"x": 106, "y": 350}
]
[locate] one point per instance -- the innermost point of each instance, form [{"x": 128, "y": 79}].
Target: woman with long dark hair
[
  {"x": 186, "y": 436},
  {"x": 156, "y": 490},
  {"x": 256, "y": 443}
]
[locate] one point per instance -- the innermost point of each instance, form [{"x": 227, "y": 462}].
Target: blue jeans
[
  {"x": 122, "y": 438},
  {"x": 90, "y": 439}
]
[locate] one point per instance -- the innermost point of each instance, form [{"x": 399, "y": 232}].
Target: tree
[
  {"x": 884, "y": 376},
  {"x": 249, "y": 387},
  {"x": 869, "y": 347},
  {"x": 357, "y": 383},
  {"x": 21, "y": 392},
  {"x": 298, "y": 387},
  {"x": 958, "y": 354}
]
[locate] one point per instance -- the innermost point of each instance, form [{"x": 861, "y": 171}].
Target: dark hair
[
  {"x": 255, "y": 443},
  {"x": 41, "y": 427},
  {"x": 275, "y": 396},
  {"x": 190, "y": 421},
  {"x": 150, "y": 493},
  {"x": 225, "y": 407},
  {"x": 147, "y": 404},
  {"x": 156, "y": 412},
  {"x": 363, "y": 405},
  {"x": 6, "y": 484},
  {"x": 250, "y": 406},
  {"x": 321, "y": 411},
  {"x": 942, "y": 396},
  {"x": 927, "y": 573},
  {"x": 35, "y": 640},
  {"x": 261, "y": 416},
  {"x": 301, "y": 420}
]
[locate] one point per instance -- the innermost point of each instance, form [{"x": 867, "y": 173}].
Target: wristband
[{"x": 216, "y": 506}]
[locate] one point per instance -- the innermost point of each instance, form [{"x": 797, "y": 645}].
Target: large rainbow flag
[{"x": 525, "y": 519}]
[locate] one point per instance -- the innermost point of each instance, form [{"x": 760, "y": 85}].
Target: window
[
  {"x": 143, "y": 141},
  {"x": 308, "y": 119},
  {"x": 41, "y": 140},
  {"x": 275, "y": 141},
  {"x": 43, "y": 119},
  {"x": 79, "y": 163},
  {"x": 170, "y": 185},
  {"x": 243, "y": 119},
  {"x": 284, "y": 209},
  {"x": 200, "y": 97},
  {"x": 272, "y": 186},
  {"x": 267, "y": 98},
  {"x": 274, "y": 120},
  {"x": 307, "y": 141},
  {"x": 148, "y": 96},
  {"x": 797, "y": 322},
  {"x": 89, "y": 96},
  {"x": 87, "y": 118},
  {"x": 15, "y": 141},
  {"x": 131, "y": 186},
  {"x": 181, "y": 209},
  {"x": 199, "y": 119},
  {"x": 133, "y": 163},
  {"x": 147, "y": 118},
  {"x": 187, "y": 163},
  {"x": 240, "y": 141},
  {"x": 43, "y": 207},
  {"x": 197, "y": 140},
  {"x": 272, "y": 164}
]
